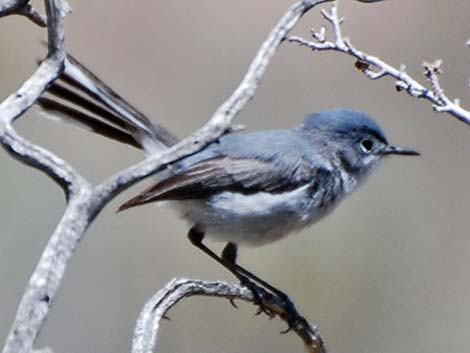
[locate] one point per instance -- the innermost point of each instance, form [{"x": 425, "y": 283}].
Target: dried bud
[
  {"x": 361, "y": 65},
  {"x": 399, "y": 86},
  {"x": 434, "y": 67}
]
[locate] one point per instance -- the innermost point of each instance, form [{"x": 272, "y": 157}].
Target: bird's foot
[
  {"x": 261, "y": 297},
  {"x": 232, "y": 302},
  {"x": 274, "y": 303},
  {"x": 293, "y": 319}
]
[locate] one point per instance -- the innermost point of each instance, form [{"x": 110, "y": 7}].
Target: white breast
[{"x": 254, "y": 219}]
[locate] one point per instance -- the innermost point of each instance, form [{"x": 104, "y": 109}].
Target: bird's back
[{"x": 283, "y": 147}]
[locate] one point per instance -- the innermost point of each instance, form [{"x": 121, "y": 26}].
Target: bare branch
[
  {"x": 9, "y": 7},
  {"x": 148, "y": 323},
  {"x": 43, "y": 285},
  {"x": 17, "y": 103},
  {"x": 374, "y": 68},
  {"x": 22, "y": 7},
  {"x": 45, "y": 280}
]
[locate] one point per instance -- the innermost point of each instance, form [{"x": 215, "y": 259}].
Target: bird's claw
[
  {"x": 293, "y": 319},
  {"x": 287, "y": 330},
  {"x": 260, "y": 297},
  {"x": 263, "y": 298},
  {"x": 262, "y": 309},
  {"x": 232, "y": 302}
]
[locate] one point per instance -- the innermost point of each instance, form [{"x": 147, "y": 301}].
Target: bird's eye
[{"x": 367, "y": 145}]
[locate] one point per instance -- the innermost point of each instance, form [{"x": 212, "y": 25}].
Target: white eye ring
[{"x": 367, "y": 145}]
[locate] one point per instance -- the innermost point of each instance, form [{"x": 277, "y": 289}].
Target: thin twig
[
  {"x": 375, "y": 68},
  {"x": 31, "y": 13},
  {"x": 22, "y": 7}
]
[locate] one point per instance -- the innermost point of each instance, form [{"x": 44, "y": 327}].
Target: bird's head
[{"x": 351, "y": 138}]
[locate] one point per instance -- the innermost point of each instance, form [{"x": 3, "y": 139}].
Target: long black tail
[{"x": 80, "y": 98}]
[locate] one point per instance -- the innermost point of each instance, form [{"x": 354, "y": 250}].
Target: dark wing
[{"x": 224, "y": 173}]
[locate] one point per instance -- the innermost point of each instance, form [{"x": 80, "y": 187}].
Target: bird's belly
[{"x": 254, "y": 219}]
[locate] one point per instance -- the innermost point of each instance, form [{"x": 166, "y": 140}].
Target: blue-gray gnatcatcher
[{"x": 246, "y": 188}]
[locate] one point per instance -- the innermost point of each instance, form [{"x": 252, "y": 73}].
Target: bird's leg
[
  {"x": 229, "y": 255},
  {"x": 228, "y": 260},
  {"x": 292, "y": 316},
  {"x": 262, "y": 291},
  {"x": 195, "y": 236}
]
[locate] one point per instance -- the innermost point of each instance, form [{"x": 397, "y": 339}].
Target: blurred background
[{"x": 386, "y": 272}]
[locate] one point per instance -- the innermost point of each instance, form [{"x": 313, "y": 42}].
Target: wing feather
[{"x": 223, "y": 173}]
